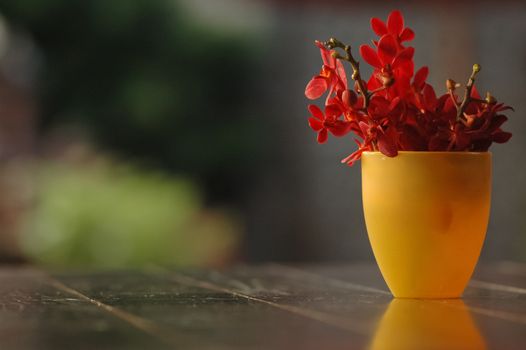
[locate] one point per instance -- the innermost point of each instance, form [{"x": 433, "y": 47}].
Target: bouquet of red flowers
[{"x": 396, "y": 109}]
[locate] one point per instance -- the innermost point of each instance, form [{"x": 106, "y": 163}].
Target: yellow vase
[{"x": 426, "y": 215}]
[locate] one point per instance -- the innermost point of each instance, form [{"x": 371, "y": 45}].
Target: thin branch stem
[
  {"x": 453, "y": 98},
  {"x": 333, "y": 43},
  {"x": 467, "y": 93}
]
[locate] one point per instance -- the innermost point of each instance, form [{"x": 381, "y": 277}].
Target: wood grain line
[
  {"x": 338, "y": 322},
  {"x": 292, "y": 272},
  {"x": 506, "y": 316},
  {"x": 502, "y": 315},
  {"x": 142, "y": 324},
  {"x": 497, "y": 287}
]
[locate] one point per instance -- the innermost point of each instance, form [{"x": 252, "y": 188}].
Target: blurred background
[{"x": 175, "y": 131}]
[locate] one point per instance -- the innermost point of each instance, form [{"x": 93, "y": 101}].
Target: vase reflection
[{"x": 425, "y": 324}]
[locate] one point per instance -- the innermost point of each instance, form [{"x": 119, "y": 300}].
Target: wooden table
[{"x": 268, "y": 306}]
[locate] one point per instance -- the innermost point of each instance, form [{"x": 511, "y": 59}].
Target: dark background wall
[{"x": 210, "y": 93}]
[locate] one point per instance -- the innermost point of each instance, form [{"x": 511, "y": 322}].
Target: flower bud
[
  {"x": 490, "y": 99},
  {"x": 387, "y": 80},
  {"x": 451, "y": 84},
  {"x": 349, "y": 98},
  {"x": 476, "y": 68},
  {"x": 386, "y": 76},
  {"x": 332, "y": 43}
]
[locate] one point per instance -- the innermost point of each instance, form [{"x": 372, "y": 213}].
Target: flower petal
[
  {"x": 403, "y": 56},
  {"x": 370, "y": 56},
  {"x": 430, "y": 98},
  {"x": 322, "y": 136},
  {"x": 395, "y": 22},
  {"x": 351, "y": 159},
  {"x": 326, "y": 55},
  {"x": 316, "y": 87},
  {"x": 407, "y": 35},
  {"x": 449, "y": 106},
  {"x": 364, "y": 127},
  {"x": 411, "y": 140},
  {"x": 406, "y": 69},
  {"x": 315, "y": 124},
  {"x": 497, "y": 122},
  {"x": 502, "y": 107},
  {"x": 394, "y": 104},
  {"x": 402, "y": 85},
  {"x": 438, "y": 142},
  {"x": 378, "y": 26},
  {"x": 373, "y": 83},
  {"x": 340, "y": 128},
  {"x": 387, "y": 49},
  {"x": 462, "y": 141},
  {"x": 420, "y": 78},
  {"x": 340, "y": 70},
  {"x": 501, "y": 137},
  {"x": 386, "y": 145},
  {"x": 316, "y": 112},
  {"x": 333, "y": 111},
  {"x": 378, "y": 107},
  {"x": 475, "y": 92},
  {"x": 481, "y": 145}
]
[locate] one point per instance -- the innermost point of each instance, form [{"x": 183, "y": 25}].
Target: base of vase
[{"x": 427, "y": 297}]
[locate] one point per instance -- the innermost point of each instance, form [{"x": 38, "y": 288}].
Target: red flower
[
  {"x": 356, "y": 155},
  {"x": 390, "y": 63},
  {"x": 332, "y": 76},
  {"x": 394, "y": 27},
  {"x": 397, "y": 111},
  {"x": 483, "y": 128},
  {"x": 419, "y": 79},
  {"x": 385, "y": 139},
  {"x": 329, "y": 121},
  {"x": 320, "y": 83}
]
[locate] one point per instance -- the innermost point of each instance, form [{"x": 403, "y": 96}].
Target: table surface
[{"x": 271, "y": 306}]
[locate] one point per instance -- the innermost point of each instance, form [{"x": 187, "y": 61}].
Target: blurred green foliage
[
  {"x": 102, "y": 214},
  {"x": 148, "y": 83}
]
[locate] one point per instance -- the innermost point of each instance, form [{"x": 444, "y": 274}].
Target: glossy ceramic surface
[{"x": 426, "y": 215}]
